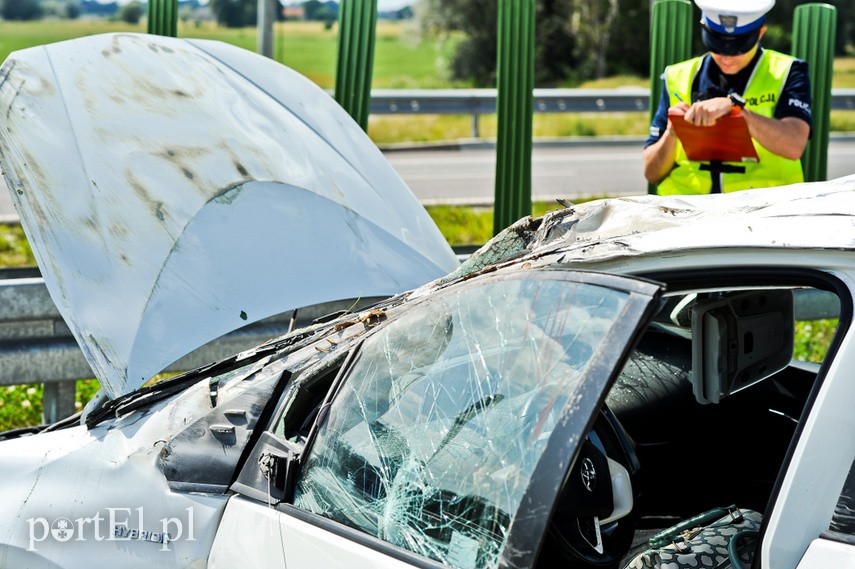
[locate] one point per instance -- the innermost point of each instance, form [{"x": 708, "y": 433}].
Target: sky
[{"x": 392, "y": 4}]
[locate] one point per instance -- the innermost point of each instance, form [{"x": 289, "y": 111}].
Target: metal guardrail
[{"x": 476, "y": 102}]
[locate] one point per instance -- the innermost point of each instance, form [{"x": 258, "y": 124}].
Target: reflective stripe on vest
[{"x": 761, "y": 95}]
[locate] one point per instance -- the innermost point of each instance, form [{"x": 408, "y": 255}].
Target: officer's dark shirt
[{"x": 710, "y": 82}]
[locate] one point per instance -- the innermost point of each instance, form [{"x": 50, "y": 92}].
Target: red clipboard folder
[{"x": 728, "y": 140}]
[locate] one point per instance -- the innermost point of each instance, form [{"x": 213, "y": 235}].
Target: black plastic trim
[
  {"x": 263, "y": 419},
  {"x": 335, "y": 389},
  {"x": 838, "y": 537},
  {"x": 527, "y": 532},
  {"x": 250, "y": 484},
  {"x": 197, "y": 487}
]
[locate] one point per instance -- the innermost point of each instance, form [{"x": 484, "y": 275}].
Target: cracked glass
[{"x": 433, "y": 438}]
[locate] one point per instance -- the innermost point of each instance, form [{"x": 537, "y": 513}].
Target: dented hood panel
[{"x": 174, "y": 190}]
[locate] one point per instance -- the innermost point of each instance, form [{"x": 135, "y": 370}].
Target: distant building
[{"x": 294, "y": 12}]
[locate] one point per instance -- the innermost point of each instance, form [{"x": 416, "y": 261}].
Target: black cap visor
[{"x": 725, "y": 44}]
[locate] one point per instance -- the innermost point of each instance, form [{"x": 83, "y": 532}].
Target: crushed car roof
[
  {"x": 606, "y": 233},
  {"x": 174, "y": 190}
]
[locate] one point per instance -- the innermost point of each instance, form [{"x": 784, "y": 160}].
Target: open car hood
[{"x": 175, "y": 190}]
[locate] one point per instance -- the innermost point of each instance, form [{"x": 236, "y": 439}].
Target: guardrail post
[
  {"x": 163, "y": 17},
  {"x": 670, "y": 42},
  {"x": 514, "y": 107},
  {"x": 264, "y": 27},
  {"x": 58, "y": 401},
  {"x": 357, "y": 20},
  {"x": 814, "y": 35}
]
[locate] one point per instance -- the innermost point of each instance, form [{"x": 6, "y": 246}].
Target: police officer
[{"x": 772, "y": 88}]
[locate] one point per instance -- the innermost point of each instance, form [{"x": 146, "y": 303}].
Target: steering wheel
[{"x": 592, "y": 526}]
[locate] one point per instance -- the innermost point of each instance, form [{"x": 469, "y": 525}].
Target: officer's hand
[
  {"x": 678, "y": 109},
  {"x": 705, "y": 113}
]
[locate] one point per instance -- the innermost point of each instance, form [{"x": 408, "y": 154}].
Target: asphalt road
[
  {"x": 466, "y": 176},
  {"x": 565, "y": 171}
]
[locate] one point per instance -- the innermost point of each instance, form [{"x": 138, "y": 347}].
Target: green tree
[
  {"x": 324, "y": 14},
  {"x": 591, "y": 24},
  {"x": 131, "y": 12},
  {"x": 20, "y": 10},
  {"x": 311, "y": 8},
  {"x": 782, "y": 16},
  {"x": 475, "y": 58},
  {"x": 235, "y": 13},
  {"x": 584, "y": 39},
  {"x": 629, "y": 46},
  {"x": 72, "y": 10}
]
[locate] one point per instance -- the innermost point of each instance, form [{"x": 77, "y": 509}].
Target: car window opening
[
  {"x": 295, "y": 423},
  {"x": 702, "y": 451}
]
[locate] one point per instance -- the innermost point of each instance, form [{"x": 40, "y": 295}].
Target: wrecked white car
[{"x": 584, "y": 380}]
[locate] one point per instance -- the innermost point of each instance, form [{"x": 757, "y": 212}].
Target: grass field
[{"x": 403, "y": 59}]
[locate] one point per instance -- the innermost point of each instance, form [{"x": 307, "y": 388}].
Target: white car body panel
[
  {"x": 171, "y": 199},
  {"x": 307, "y": 547},
  {"x": 280, "y": 540},
  {"x": 825, "y": 554},
  {"x": 242, "y": 518},
  {"x": 812, "y": 483},
  {"x": 67, "y": 470}
]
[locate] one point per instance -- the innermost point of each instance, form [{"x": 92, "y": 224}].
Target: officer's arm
[
  {"x": 785, "y": 137},
  {"x": 658, "y": 158}
]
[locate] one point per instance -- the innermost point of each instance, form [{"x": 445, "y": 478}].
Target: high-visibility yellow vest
[{"x": 761, "y": 95}]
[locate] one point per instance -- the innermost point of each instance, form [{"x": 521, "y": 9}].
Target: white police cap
[{"x": 734, "y": 17}]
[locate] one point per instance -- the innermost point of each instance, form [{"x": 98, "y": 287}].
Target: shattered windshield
[{"x": 433, "y": 438}]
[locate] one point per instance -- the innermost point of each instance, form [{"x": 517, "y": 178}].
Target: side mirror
[{"x": 739, "y": 339}]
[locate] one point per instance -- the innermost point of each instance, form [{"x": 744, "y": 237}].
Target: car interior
[{"x": 710, "y": 400}]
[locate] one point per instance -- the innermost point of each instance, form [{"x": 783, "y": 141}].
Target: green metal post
[
  {"x": 514, "y": 106},
  {"x": 670, "y": 42},
  {"x": 814, "y": 35},
  {"x": 357, "y": 20},
  {"x": 163, "y": 17}
]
